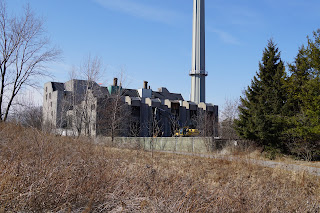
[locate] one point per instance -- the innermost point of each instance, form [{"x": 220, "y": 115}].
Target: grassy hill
[{"x": 41, "y": 172}]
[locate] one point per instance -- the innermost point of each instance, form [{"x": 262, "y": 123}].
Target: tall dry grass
[{"x": 41, "y": 172}]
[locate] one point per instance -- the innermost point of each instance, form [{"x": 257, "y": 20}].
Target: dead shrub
[{"x": 41, "y": 172}]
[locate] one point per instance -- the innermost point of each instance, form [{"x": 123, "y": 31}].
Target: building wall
[
  {"x": 51, "y": 105},
  {"x": 62, "y": 100}
]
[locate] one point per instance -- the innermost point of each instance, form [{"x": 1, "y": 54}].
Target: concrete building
[
  {"x": 75, "y": 107},
  {"x": 72, "y": 98}
]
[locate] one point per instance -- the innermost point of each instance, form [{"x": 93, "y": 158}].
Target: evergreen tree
[
  {"x": 296, "y": 82},
  {"x": 303, "y": 105},
  {"x": 262, "y": 107},
  {"x": 313, "y": 52}
]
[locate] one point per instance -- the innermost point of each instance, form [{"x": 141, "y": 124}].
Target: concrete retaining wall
[{"x": 176, "y": 144}]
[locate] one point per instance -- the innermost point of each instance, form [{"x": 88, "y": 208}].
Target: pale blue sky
[{"x": 151, "y": 39}]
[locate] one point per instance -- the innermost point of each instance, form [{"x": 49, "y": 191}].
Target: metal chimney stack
[{"x": 198, "y": 70}]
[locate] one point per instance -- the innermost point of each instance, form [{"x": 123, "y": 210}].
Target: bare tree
[
  {"x": 71, "y": 107},
  {"x": 24, "y": 51},
  {"x": 134, "y": 127},
  {"x": 175, "y": 124},
  {"x": 229, "y": 114},
  {"x": 79, "y": 105},
  {"x": 114, "y": 113},
  {"x": 154, "y": 126},
  {"x": 91, "y": 70},
  {"x": 90, "y": 108},
  {"x": 28, "y": 112},
  {"x": 206, "y": 123},
  {"x": 134, "y": 131},
  {"x": 30, "y": 116}
]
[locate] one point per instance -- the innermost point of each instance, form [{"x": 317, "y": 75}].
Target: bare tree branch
[{"x": 24, "y": 53}]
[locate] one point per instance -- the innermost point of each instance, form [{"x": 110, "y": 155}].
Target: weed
[{"x": 41, "y": 172}]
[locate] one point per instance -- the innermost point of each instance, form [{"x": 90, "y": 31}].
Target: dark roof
[
  {"x": 130, "y": 92},
  {"x": 57, "y": 86},
  {"x": 105, "y": 90},
  {"x": 161, "y": 95},
  {"x": 100, "y": 92},
  {"x": 165, "y": 95}
]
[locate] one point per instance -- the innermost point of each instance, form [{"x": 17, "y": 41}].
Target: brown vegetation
[{"x": 40, "y": 172}]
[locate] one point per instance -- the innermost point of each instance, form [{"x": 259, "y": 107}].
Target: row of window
[{"x": 47, "y": 96}]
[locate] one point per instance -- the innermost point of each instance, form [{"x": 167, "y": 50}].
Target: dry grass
[
  {"x": 291, "y": 160},
  {"x": 251, "y": 151},
  {"x": 42, "y": 173}
]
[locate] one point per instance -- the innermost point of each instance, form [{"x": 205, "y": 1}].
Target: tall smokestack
[{"x": 198, "y": 69}]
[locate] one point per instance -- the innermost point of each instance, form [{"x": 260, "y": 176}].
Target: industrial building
[{"x": 84, "y": 107}]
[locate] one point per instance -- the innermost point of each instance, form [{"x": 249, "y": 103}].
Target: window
[
  {"x": 93, "y": 107},
  {"x": 69, "y": 121},
  {"x": 51, "y": 103},
  {"x": 50, "y": 95},
  {"x": 52, "y": 113},
  {"x": 46, "y": 89},
  {"x": 46, "y": 96}
]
